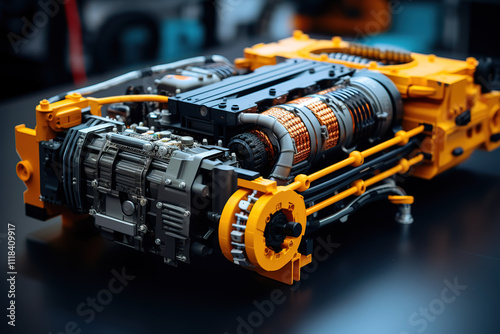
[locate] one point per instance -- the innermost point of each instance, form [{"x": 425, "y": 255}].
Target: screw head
[
  {"x": 203, "y": 111},
  {"x": 158, "y": 242},
  {"x": 187, "y": 213},
  {"x": 182, "y": 185},
  {"x": 143, "y": 201},
  {"x": 94, "y": 183},
  {"x": 168, "y": 181},
  {"x": 159, "y": 205},
  {"x": 142, "y": 228}
]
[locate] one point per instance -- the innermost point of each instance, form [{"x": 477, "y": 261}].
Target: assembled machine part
[{"x": 363, "y": 109}]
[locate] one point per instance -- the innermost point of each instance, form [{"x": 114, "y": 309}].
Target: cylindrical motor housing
[{"x": 358, "y": 110}]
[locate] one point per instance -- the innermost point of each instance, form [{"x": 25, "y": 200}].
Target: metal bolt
[
  {"x": 159, "y": 205},
  {"x": 142, "y": 228},
  {"x": 222, "y": 105},
  {"x": 181, "y": 258},
  {"x": 272, "y": 91},
  {"x": 92, "y": 212},
  {"x": 235, "y": 107},
  {"x": 143, "y": 201},
  {"x": 187, "y": 213},
  {"x": 94, "y": 183},
  {"x": 203, "y": 111},
  {"x": 182, "y": 185},
  {"x": 158, "y": 242},
  {"x": 167, "y": 182}
]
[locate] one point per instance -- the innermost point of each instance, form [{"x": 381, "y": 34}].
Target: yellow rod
[
  {"x": 353, "y": 190},
  {"x": 331, "y": 200},
  {"x": 129, "y": 98},
  {"x": 330, "y": 169},
  {"x": 382, "y": 146},
  {"x": 398, "y": 138}
]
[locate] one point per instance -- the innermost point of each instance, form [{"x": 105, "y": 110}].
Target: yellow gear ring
[{"x": 258, "y": 254}]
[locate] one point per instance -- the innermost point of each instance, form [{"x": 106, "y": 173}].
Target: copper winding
[
  {"x": 297, "y": 130},
  {"x": 325, "y": 116}
]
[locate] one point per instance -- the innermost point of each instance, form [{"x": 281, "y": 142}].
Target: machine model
[{"x": 253, "y": 158}]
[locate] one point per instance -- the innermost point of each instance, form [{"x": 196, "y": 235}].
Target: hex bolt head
[
  {"x": 142, "y": 228},
  {"x": 272, "y": 91},
  {"x": 143, "y": 201},
  {"x": 159, "y": 205},
  {"x": 158, "y": 242},
  {"x": 235, "y": 107},
  {"x": 182, "y": 185},
  {"x": 168, "y": 181},
  {"x": 187, "y": 213}
]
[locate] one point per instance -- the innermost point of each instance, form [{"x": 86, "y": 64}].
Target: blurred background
[{"x": 61, "y": 42}]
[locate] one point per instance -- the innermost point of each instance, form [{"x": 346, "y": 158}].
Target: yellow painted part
[
  {"x": 258, "y": 253},
  {"x": 290, "y": 271},
  {"x": 395, "y": 199},
  {"x": 260, "y": 184},
  {"x": 283, "y": 266},
  {"x": 28, "y": 169},
  {"x": 435, "y": 91}
]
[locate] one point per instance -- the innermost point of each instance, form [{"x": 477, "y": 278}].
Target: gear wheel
[{"x": 250, "y": 152}]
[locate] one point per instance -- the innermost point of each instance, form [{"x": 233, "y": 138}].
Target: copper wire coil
[
  {"x": 325, "y": 116},
  {"x": 297, "y": 130}
]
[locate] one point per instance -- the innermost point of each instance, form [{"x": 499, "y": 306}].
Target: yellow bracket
[{"x": 67, "y": 113}]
